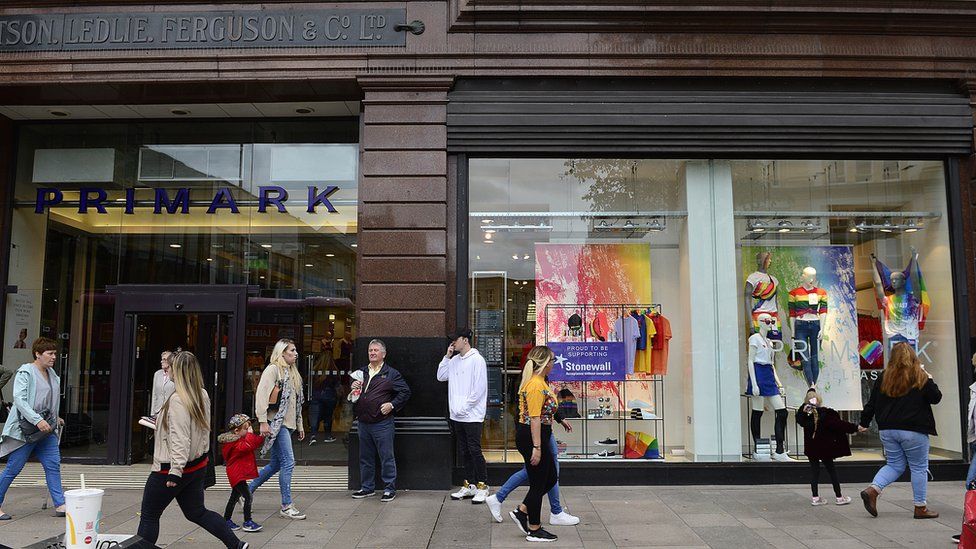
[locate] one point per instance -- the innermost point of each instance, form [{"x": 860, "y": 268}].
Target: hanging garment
[
  {"x": 628, "y": 331},
  {"x": 662, "y": 342}
]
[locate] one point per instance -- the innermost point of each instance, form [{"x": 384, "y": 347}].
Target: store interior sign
[
  {"x": 96, "y": 199},
  {"x": 198, "y": 30}
]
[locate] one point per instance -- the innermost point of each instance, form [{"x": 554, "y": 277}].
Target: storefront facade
[{"x": 217, "y": 177}]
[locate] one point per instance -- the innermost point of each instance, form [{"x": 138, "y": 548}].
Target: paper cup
[{"x": 83, "y": 512}]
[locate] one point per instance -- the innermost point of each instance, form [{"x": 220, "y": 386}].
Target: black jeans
[
  {"x": 469, "y": 446},
  {"x": 238, "y": 491},
  {"x": 542, "y": 477},
  {"x": 188, "y": 493},
  {"x": 815, "y": 475}
]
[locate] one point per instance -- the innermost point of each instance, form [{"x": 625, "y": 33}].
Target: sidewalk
[{"x": 696, "y": 516}]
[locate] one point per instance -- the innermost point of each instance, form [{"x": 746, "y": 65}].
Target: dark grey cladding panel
[{"x": 724, "y": 117}]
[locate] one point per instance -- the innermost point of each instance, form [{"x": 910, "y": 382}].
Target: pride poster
[{"x": 840, "y": 377}]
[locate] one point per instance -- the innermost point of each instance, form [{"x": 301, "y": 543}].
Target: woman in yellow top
[{"x": 537, "y": 406}]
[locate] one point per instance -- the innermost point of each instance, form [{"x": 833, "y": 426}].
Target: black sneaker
[
  {"x": 608, "y": 442},
  {"x": 955, "y": 538},
  {"x": 540, "y": 535},
  {"x": 388, "y": 496},
  {"x": 521, "y": 520},
  {"x": 363, "y": 494}
]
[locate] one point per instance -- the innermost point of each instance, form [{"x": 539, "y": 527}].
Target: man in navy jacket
[{"x": 383, "y": 391}]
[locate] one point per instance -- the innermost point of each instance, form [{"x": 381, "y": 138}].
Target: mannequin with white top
[
  {"x": 808, "y": 316},
  {"x": 765, "y": 387}
]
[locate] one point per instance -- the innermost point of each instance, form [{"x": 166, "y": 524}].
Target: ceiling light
[
  {"x": 486, "y": 221},
  {"x": 514, "y": 256},
  {"x": 477, "y": 257},
  {"x": 329, "y": 255},
  {"x": 304, "y": 110},
  {"x": 265, "y": 245},
  {"x": 629, "y": 224},
  {"x": 886, "y": 227},
  {"x": 179, "y": 112},
  {"x": 785, "y": 226},
  {"x": 339, "y": 280},
  {"x": 261, "y": 277},
  {"x": 757, "y": 225},
  {"x": 309, "y": 265},
  {"x": 911, "y": 226},
  {"x": 604, "y": 224},
  {"x": 209, "y": 259},
  {"x": 656, "y": 224},
  {"x": 489, "y": 241},
  {"x": 175, "y": 245},
  {"x": 354, "y": 245},
  {"x": 852, "y": 229},
  {"x": 488, "y": 236},
  {"x": 489, "y": 231},
  {"x": 60, "y": 114},
  {"x": 526, "y": 256},
  {"x": 809, "y": 225}
]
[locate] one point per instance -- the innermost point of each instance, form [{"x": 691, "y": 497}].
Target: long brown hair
[
  {"x": 186, "y": 375},
  {"x": 535, "y": 362},
  {"x": 812, "y": 393},
  {"x": 903, "y": 373}
]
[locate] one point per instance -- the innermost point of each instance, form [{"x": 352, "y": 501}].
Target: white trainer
[
  {"x": 843, "y": 500},
  {"x": 815, "y": 501},
  {"x": 480, "y": 493},
  {"x": 291, "y": 512},
  {"x": 782, "y": 457},
  {"x": 495, "y": 507},
  {"x": 466, "y": 491},
  {"x": 563, "y": 519}
]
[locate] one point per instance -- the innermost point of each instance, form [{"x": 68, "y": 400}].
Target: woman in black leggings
[{"x": 537, "y": 405}]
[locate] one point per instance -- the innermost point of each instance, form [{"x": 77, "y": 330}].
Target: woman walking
[
  {"x": 34, "y": 427},
  {"x": 180, "y": 457},
  {"x": 537, "y": 406},
  {"x": 278, "y": 405},
  {"x": 902, "y": 400}
]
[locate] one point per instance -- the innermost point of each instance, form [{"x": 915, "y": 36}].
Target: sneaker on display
[
  {"x": 480, "y": 493},
  {"x": 638, "y": 403},
  {"x": 251, "y": 526},
  {"x": 540, "y": 535},
  {"x": 291, "y": 512},
  {"x": 782, "y": 457},
  {"x": 233, "y": 525},
  {"x": 607, "y": 454},
  {"x": 607, "y": 442},
  {"x": 563, "y": 519},
  {"x": 815, "y": 501},
  {"x": 467, "y": 490},
  {"x": 760, "y": 457},
  {"x": 521, "y": 520},
  {"x": 495, "y": 507},
  {"x": 360, "y": 494}
]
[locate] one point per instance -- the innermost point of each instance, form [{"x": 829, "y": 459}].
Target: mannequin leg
[
  {"x": 780, "y": 429},
  {"x": 755, "y": 425}
]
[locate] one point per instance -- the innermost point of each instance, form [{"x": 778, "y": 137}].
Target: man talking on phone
[{"x": 466, "y": 374}]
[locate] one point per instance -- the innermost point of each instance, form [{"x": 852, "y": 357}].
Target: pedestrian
[
  {"x": 558, "y": 515},
  {"x": 238, "y": 445},
  {"x": 325, "y": 395},
  {"x": 383, "y": 392},
  {"x": 278, "y": 405},
  {"x": 180, "y": 457},
  {"x": 970, "y": 438},
  {"x": 466, "y": 374},
  {"x": 902, "y": 400},
  {"x": 34, "y": 424},
  {"x": 162, "y": 388},
  {"x": 537, "y": 406},
  {"x": 824, "y": 440}
]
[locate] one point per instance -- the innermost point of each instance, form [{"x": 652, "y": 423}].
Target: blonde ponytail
[
  {"x": 527, "y": 371},
  {"x": 535, "y": 362}
]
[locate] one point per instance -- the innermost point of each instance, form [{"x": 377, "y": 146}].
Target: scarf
[{"x": 284, "y": 400}]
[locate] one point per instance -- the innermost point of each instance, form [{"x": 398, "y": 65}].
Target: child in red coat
[
  {"x": 824, "y": 440},
  {"x": 238, "y": 445}
]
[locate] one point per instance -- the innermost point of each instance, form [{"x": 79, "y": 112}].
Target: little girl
[
  {"x": 238, "y": 446},
  {"x": 824, "y": 440}
]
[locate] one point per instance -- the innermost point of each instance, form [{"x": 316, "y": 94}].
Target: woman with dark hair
[
  {"x": 180, "y": 456},
  {"x": 901, "y": 401},
  {"x": 34, "y": 427}
]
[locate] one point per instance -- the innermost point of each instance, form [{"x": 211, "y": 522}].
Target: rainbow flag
[{"x": 924, "y": 296}]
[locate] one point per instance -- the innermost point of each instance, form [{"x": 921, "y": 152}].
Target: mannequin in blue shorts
[{"x": 764, "y": 382}]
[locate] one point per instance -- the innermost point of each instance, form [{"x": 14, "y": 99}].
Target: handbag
[
  {"x": 968, "y": 538},
  {"x": 32, "y": 433},
  {"x": 274, "y": 399}
]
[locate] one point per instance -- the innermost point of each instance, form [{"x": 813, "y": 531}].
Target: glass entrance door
[{"x": 206, "y": 336}]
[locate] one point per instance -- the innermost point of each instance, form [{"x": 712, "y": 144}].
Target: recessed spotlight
[
  {"x": 490, "y": 231},
  {"x": 488, "y": 236},
  {"x": 339, "y": 280},
  {"x": 179, "y": 112},
  {"x": 486, "y": 221},
  {"x": 354, "y": 245},
  {"x": 209, "y": 259},
  {"x": 886, "y": 227},
  {"x": 175, "y": 245},
  {"x": 329, "y": 255},
  {"x": 309, "y": 265},
  {"x": 514, "y": 256},
  {"x": 477, "y": 257},
  {"x": 59, "y": 114},
  {"x": 265, "y": 245},
  {"x": 526, "y": 256},
  {"x": 261, "y": 277},
  {"x": 489, "y": 241},
  {"x": 304, "y": 110}
]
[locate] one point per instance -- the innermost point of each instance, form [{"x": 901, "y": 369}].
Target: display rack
[{"x": 618, "y": 421}]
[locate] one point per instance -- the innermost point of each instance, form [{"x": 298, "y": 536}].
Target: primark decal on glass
[{"x": 588, "y": 361}]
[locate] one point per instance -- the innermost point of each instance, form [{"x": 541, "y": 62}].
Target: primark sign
[{"x": 200, "y": 30}]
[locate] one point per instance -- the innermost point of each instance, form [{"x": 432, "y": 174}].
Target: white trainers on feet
[
  {"x": 495, "y": 507},
  {"x": 782, "y": 457},
  {"x": 843, "y": 500},
  {"x": 467, "y": 491},
  {"x": 291, "y": 512},
  {"x": 563, "y": 519},
  {"x": 480, "y": 493},
  {"x": 817, "y": 501}
]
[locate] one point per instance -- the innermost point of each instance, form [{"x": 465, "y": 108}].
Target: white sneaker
[
  {"x": 843, "y": 500},
  {"x": 480, "y": 493},
  {"x": 291, "y": 512},
  {"x": 782, "y": 457},
  {"x": 563, "y": 519},
  {"x": 815, "y": 501},
  {"x": 466, "y": 491},
  {"x": 760, "y": 457},
  {"x": 495, "y": 507}
]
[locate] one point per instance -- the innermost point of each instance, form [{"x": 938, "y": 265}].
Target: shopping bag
[
  {"x": 968, "y": 538},
  {"x": 637, "y": 444}
]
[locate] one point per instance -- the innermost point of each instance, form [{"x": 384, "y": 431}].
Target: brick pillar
[{"x": 403, "y": 275}]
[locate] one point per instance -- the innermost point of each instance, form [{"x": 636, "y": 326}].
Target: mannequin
[
  {"x": 761, "y": 292},
  {"x": 763, "y": 381},
  {"x": 902, "y": 310},
  {"x": 808, "y": 316}
]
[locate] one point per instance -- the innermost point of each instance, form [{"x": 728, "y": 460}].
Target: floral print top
[{"x": 536, "y": 399}]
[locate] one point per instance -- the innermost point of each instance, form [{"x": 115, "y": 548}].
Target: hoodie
[
  {"x": 238, "y": 452},
  {"x": 467, "y": 386}
]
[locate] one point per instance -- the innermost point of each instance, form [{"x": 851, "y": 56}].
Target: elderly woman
[{"x": 33, "y": 427}]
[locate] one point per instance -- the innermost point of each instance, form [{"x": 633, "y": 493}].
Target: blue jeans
[
  {"x": 905, "y": 448},
  {"x": 376, "y": 441},
  {"x": 808, "y": 331},
  {"x": 321, "y": 410},
  {"x": 971, "y": 475},
  {"x": 47, "y": 452},
  {"x": 282, "y": 462},
  {"x": 521, "y": 476}
]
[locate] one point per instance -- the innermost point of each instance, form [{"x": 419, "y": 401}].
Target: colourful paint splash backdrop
[
  {"x": 591, "y": 274},
  {"x": 839, "y": 380}
]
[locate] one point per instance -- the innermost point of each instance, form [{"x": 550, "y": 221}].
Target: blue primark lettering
[
  {"x": 264, "y": 199},
  {"x": 46, "y": 198},
  {"x": 182, "y": 199},
  {"x": 315, "y": 198},
  {"x": 86, "y": 200},
  {"x": 130, "y": 200},
  {"x": 223, "y": 199}
]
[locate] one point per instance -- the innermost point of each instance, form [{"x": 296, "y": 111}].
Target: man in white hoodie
[{"x": 466, "y": 375}]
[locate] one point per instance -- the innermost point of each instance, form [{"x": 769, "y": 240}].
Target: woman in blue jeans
[
  {"x": 558, "y": 516},
  {"x": 37, "y": 391},
  {"x": 901, "y": 401}
]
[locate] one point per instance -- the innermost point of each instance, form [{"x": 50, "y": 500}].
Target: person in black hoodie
[
  {"x": 384, "y": 391},
  {"x": 824, "y": 440},
  {"x": 901, "y": 401}
]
